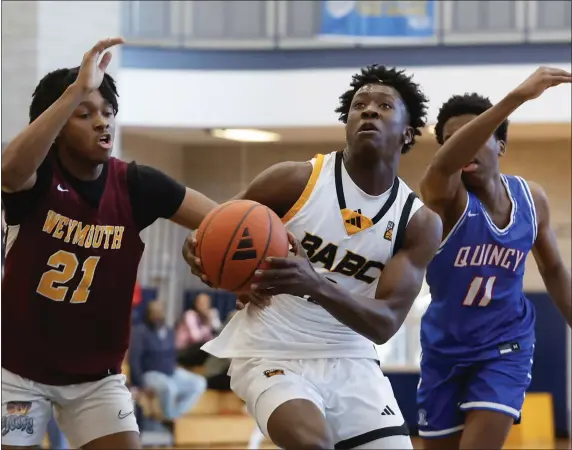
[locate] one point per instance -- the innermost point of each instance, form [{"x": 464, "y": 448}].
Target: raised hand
[
  {"x": 93, "y": 69},
  {"x": 541, "y": 80}
]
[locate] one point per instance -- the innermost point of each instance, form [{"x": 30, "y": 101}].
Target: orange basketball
[{"x": 234, "y": 240}]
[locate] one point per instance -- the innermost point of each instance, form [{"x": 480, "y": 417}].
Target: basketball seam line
[
  {"x": 205, "y": 228},
  {"x": 221, "y": 269},
  {"x": 263, "y": 253}
]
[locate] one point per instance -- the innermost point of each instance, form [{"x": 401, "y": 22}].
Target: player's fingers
[
  {"x": 279, "y": 263},
  {"x": 240, "y": 305},
  {"x": 104, "y": 44},
  {"x": 557, "y": 72},
  {"x": 560, "y": 79},
  {"x": 105, "y": 61},
  {"x": 273, "y": 274}
]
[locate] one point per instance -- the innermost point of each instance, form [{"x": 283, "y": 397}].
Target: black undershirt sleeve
[
  {"x": 153, "y": 194},
  {"x": 19, "y": 204}
]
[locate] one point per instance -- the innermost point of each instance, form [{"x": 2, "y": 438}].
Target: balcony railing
[{"x": 269, "y": 24}]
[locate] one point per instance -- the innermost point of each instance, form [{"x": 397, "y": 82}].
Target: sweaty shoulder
[
  {"x": 423, "y": 235},
  {"x": 279, "y": 187}
]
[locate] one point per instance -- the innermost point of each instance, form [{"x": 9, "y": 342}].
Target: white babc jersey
[{"x": 349, "y": 236}]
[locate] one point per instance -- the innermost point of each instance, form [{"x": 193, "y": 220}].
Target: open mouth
[
  {"x": 471, "y": 167},
  {"x": 105, "y": 140},
  {"x": 367, "y": 127}
]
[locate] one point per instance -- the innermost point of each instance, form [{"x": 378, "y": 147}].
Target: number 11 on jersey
[{"x": 476, "y": 287}]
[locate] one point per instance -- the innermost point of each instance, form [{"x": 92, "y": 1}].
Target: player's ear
[
  {"x": 502, "y": 148},
  {"x": 408, "y": 135}
]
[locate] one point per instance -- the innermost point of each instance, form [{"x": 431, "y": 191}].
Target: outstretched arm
[
  {"x": 552, "y": 269},
  {"x": 441, "y": 184},
  {"x": 25, "y": 153},
  {"x": 377, "y": 318}
]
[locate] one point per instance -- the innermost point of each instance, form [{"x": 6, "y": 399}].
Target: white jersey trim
[{"x": 530, "y": 200}]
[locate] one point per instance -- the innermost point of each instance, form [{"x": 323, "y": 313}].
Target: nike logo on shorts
[{"x": 123, "y": 416}]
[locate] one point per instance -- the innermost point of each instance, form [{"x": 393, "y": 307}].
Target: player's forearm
[
  {"x": 462, "y": 147},
  {"x": 27, "y": 151},
  {"x": 366, "y": 316},
  {"x": 558, "y": 284}
]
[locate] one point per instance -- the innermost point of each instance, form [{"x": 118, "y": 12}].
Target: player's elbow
[{"x": 385, "y": 327}]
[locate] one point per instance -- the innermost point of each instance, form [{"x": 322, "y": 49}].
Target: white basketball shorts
[
  {"x": 353, "y": 394},
  {"x": 84, "y": 412}
]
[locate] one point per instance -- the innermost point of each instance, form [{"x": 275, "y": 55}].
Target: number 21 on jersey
[
  {"x": 64, "y": 267},
  {"x": 476, "y": 288}
]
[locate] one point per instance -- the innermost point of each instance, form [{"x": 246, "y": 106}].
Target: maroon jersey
[{"x": 71, "y": 266}]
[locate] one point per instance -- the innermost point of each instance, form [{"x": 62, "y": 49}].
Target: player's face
[
  {"x": 485, "y": 164},
  {"x": 156, "y": 314},
  {"x": 377, "y": 120},
  {"x": 91, "y": 129}
]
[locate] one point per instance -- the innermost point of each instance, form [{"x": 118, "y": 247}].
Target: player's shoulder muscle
[
  {"x": 423, "y": 235},
  {"x": 540, "y": 199},
  {"x": 280, "y": 186}
]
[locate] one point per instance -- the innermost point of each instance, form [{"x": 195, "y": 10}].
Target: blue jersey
[{"x": 476, "y": 281}]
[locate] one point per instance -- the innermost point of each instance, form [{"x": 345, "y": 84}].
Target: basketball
[{"x": 234, "y": 240}]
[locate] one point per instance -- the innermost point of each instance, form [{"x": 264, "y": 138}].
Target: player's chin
[
  {"x": 99, "y": 154},
  {"x": 474, "y": 178}
]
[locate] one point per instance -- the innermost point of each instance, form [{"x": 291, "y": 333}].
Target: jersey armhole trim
[
  {"x": 530, "y": 201},
  {"x": 456, "y": 226},
  {"x": 310, "y": 185},
  {"x": 403, "y": 221}
]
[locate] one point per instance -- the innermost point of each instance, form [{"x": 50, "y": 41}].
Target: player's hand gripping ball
[{"x": 233, "y": 242}]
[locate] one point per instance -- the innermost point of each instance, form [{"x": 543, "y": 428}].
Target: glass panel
[
  {"x": 482, "y": 17},
  {"x": 553, "y": 15},
  {"x": 215, "y": 20},
  {"x": 303, "y": 19}
]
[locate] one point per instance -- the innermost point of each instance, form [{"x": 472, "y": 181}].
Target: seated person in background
[
  {"x": 153, "y": 366},
  {"x": 197, "y": 326}
]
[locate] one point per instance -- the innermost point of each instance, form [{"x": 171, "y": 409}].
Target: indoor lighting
[{"x": 245, "y": 135}]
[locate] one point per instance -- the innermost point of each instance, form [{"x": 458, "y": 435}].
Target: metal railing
[{"x": 271, "y": 24}]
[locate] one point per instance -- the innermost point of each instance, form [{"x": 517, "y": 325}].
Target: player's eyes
[
  {"x": 359, "y": 105},
  {"x": 107, "y": 114},
  {"x": 386, "y": 106}
]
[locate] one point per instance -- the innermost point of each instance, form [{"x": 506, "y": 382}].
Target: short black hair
[
  {"x": 460, "y": 105},
  {"x": 414, "y": 99},
  {"x": 54, "y": 84}
]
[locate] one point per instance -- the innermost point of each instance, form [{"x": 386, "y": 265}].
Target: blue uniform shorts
[{"x": 448, "y": 388}]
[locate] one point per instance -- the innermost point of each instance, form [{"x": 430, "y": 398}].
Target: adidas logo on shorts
[{"x": 387, "y": 411}]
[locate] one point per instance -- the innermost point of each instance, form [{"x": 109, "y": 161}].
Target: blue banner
[{"x": 379, "y": 19}]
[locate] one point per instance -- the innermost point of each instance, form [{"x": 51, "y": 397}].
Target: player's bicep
[
  {"x": 19, "y": 204},
  {"x": 402, "y": 278},
  {"x": 155, "y": 195},
  {"x": 441, "y": 190},
  {"x": 279, "y": 186}
]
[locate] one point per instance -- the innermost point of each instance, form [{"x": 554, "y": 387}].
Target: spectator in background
[
  {"x": 197, "y": 326},
  {"x": 153, "y": 368}
]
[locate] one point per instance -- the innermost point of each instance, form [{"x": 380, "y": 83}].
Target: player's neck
[
  {"x": 372, "y": 177},
  {"x": 82, "y": 170},
  {"x": 492, "y": 194}
]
